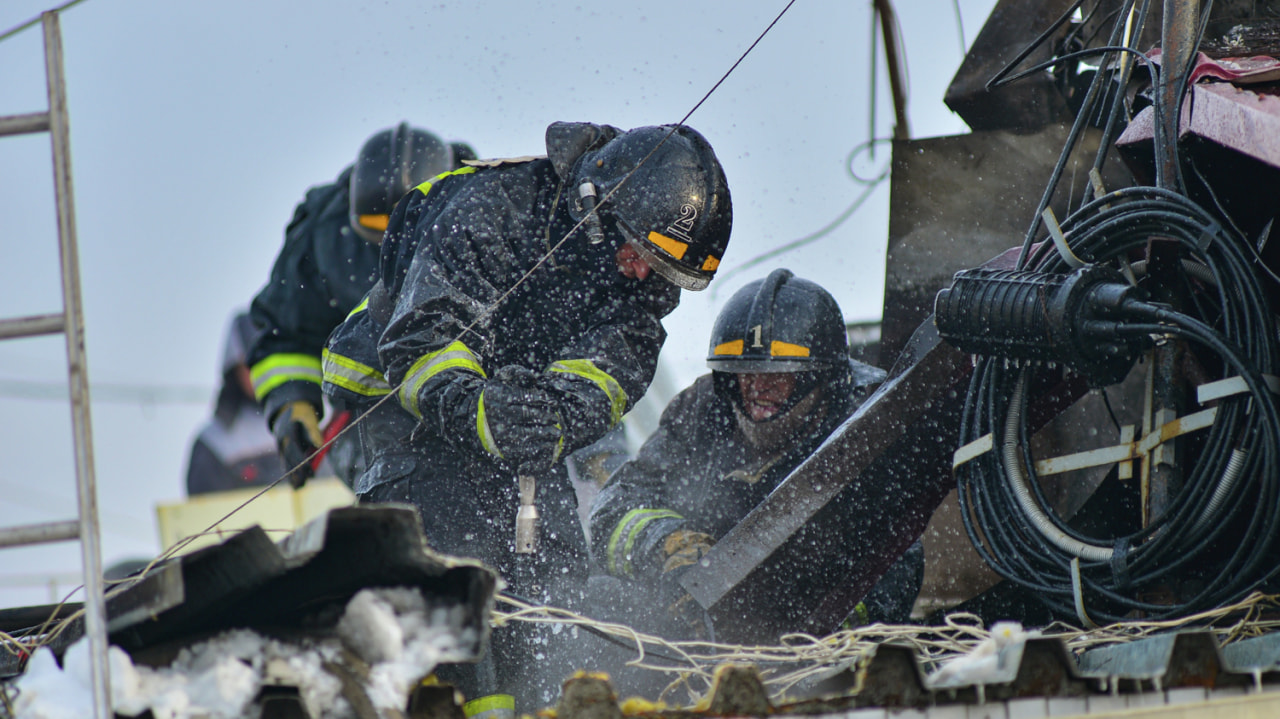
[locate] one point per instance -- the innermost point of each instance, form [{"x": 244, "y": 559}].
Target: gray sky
[{"x": 196, "y": 128}]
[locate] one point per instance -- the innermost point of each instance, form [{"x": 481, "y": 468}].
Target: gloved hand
[
  {"x": 518, "y": 421},
  {"x": 682, "y": 549},
  {"x": 297, "y": 431}
]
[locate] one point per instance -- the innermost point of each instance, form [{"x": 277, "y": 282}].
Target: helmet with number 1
[
  {"x": 779, "y": 324},
  {"x": 665, "y": 192},
  {"x": 391, "y": 163}
]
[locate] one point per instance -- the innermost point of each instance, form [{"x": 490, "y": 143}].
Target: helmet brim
[
  {"x": 671, "y": 270},
  {"x": 740, "y": 365}
]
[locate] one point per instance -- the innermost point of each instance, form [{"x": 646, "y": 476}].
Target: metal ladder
[{"x": 69, "y": 322}]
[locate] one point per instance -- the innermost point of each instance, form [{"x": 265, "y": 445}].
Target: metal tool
[{"x": 527, "y": 518}]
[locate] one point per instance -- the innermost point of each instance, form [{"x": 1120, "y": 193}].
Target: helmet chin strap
[{"x": 595, "y": 230}]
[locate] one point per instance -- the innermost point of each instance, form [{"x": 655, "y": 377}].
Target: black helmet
[
  {"x": 779, "y": 324},
  {"x": 390, "y": 164},
  {"x": 674, "y": 209}
]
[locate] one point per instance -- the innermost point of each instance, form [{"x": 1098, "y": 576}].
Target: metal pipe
[
  {"x": 78, "y": 370},
  {"x": 32, "y": 326},
  {"x": 24, "y": 124},
  {"x": 1178, "y": 40},
  {"x": 888, "y": 27},
  {"x": 39, "y": 533}
]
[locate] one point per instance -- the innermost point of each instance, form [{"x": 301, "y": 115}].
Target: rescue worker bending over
[
  {"x": 781, "y": 381},
  {"x": 328, "y": 262},
  {"x": 517, "y": 318}
]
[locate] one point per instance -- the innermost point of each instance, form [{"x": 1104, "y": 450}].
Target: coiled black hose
[{"x": 1219, "y": 533}]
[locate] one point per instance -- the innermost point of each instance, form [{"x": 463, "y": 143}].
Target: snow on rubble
[{"x": 391, "y": 630}]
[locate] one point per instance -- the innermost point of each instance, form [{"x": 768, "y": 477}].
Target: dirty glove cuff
[{"x": 297, "y": 431}]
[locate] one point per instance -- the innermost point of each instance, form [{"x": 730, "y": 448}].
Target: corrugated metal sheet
[{"x": 302, "y": 582}]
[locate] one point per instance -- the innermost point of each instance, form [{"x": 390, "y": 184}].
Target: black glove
[
  {"x": 297, "y": 431},
  {"x": 518, "y": 422}
]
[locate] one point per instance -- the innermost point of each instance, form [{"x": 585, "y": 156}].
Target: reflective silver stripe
[
  {"x": 456, "y": 355},
  {"x": 353, "y": 376}
]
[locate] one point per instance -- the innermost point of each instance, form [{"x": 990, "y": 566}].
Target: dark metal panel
[
  {"x": 1027, "y": 103},
  {"x": 957, "y": 201}
]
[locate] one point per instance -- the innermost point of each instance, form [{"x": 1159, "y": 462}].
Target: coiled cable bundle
[{"x": 1217, "y": 539}]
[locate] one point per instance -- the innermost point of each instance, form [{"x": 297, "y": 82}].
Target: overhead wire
[
  {"x": 185, "y": 542},
  {"x": 36, "y": 20}
]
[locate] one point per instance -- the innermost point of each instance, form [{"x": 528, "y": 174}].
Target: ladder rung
[
  {"x": 32, "y": 326},
  {"x": 24, "y": 124},
  {"x": 40, "y": 533}
]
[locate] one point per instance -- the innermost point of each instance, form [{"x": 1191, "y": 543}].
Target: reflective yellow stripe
[
  {"x": 490, "y": 703},
  {"x": 587, "y": 370},
  {"x": 860, "y": 609},
  {"x": 425, "y": 187},
  {"x": 482, "y": 429},
  {"x": 353, "y": 376},
  {"x": 277, "y": 369},
  {"x": 711, "y": 264},
  {"x": 364, "y": 305},
  {"x": 733, "y": 347},
  {"x": 674, "y": 247},
  {"x": 786, "y": 349},
  {"x": 374, "y": 222},
  {"x": 626, "y": 533},
  {"x": 456, "y": 355}
]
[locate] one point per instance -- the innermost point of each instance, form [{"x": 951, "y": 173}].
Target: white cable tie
[
  {"x": 974, "y": 449},
  {"x": 1060, "y": 240},
  {"x": 1232, "y": 386},
  {"x": 1077, "y": 593}
]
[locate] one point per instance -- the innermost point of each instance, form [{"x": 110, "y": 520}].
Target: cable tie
[
  {"x": 1120, "y": 564},
  {"x": 1208, "y": 234},
  {"x": 972, "y": 450},
  {"x": 1060, "y": 240},
  {"x": 1077, "y": 593},
  {"x": 1230, "y": 386}
]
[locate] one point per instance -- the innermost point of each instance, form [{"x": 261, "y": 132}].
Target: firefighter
[
  {"x": 233, "y": 449},
  {"x": 328, "y": 263},
  {"x": 517, "y": 319},
  {"x": 781, "y": 381}
]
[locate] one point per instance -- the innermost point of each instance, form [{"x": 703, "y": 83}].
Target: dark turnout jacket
[
  {"x": 452, "y": 309},
  {"x": 321, "y": 273},
  {"x": 699, "y": 472}
]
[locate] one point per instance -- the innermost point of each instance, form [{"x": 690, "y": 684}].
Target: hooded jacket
[{"x": 700, "y": 471}]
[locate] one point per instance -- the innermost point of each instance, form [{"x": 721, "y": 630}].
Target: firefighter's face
[
  {"x": 630, "y": 263},
  {"x": 764, "y": 394}
]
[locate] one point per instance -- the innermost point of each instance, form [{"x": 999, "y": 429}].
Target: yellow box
[{"x": 279, "y": 510}]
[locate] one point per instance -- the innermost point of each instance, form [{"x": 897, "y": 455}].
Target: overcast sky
[{"x": 196, "y": 128}]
